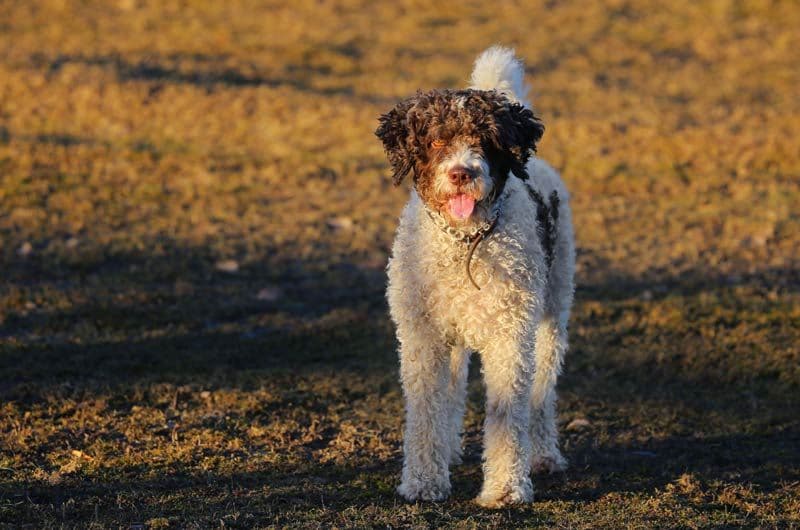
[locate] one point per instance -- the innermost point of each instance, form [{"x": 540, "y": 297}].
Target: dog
[{"x": 483, "y": 261}]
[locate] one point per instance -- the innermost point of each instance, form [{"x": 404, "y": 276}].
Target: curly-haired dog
[{"x": 483, "y": 261}]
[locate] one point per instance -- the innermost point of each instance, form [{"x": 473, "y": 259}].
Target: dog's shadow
[
  {"x": 645, "y": 430},
  {"x": 767, "y": 461}
]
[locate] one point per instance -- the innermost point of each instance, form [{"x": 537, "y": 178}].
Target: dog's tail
[{"x": 498, "y": 69}]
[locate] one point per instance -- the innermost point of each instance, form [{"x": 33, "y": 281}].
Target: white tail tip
[{"x": 498, "y": 68}]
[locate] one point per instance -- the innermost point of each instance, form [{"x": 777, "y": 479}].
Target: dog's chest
[{"x": 503, "y": 270}]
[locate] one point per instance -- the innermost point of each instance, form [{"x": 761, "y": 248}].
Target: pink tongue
[{"x": 461, "y": 206}]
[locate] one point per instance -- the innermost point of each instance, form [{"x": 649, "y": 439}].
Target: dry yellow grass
[{"x": 144, "y": 381}]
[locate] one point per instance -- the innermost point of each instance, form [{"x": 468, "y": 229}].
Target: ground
[{"x": 195, "y": 218}]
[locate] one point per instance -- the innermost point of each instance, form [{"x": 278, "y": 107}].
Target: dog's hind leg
[
  {"x": 551, "y": 344},
  {"x": 457, "y": 390}
]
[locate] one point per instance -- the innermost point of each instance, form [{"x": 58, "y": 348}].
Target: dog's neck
[{"x": 473, "y": 237}]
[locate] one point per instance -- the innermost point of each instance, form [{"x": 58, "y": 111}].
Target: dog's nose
[{"x": 460, "y": 175}]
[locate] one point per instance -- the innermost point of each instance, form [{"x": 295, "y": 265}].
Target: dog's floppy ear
[
  {"x": 519, "y": 131},
  {"x": 396, "y": 134}
]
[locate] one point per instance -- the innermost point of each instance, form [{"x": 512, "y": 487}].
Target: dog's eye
[{"x": 438, "y": 144}]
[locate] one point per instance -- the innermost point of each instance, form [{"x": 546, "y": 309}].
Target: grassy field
[{"x": 195, "y": 219}]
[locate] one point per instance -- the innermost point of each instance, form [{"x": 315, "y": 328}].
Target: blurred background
[{"x": 195, "y": 218}]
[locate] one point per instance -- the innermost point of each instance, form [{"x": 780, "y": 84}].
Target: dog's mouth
[{"x": 461, "y": 206}]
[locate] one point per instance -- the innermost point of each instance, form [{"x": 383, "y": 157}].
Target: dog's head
[{"x": 460, "y": 145}]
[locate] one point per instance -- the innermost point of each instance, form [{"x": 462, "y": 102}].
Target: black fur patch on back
[{"x": 547, "y": 219}]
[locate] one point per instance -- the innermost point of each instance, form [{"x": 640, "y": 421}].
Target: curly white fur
[{"x": 517, "y": 321}]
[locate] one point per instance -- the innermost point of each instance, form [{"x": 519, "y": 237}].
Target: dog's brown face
[{"x": 460, "y": 146}]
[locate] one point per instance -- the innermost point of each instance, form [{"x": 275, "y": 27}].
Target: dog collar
[
  {"x": 476, "y": 233},
  {"x": 473, "y": 237}
]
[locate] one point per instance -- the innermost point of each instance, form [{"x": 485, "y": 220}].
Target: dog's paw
[
  {"x": 419, "y": 490},
  {"x": 493, "y": 499},
  {"x": 551, "y": 462}
]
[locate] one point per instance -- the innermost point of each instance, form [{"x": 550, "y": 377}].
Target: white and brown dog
[{"x": 483, "y": 261}]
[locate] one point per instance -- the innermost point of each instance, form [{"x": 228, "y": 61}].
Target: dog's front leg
[
  {"x": 507, "y": 366},
  {"x": 425, "y": 375}
]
